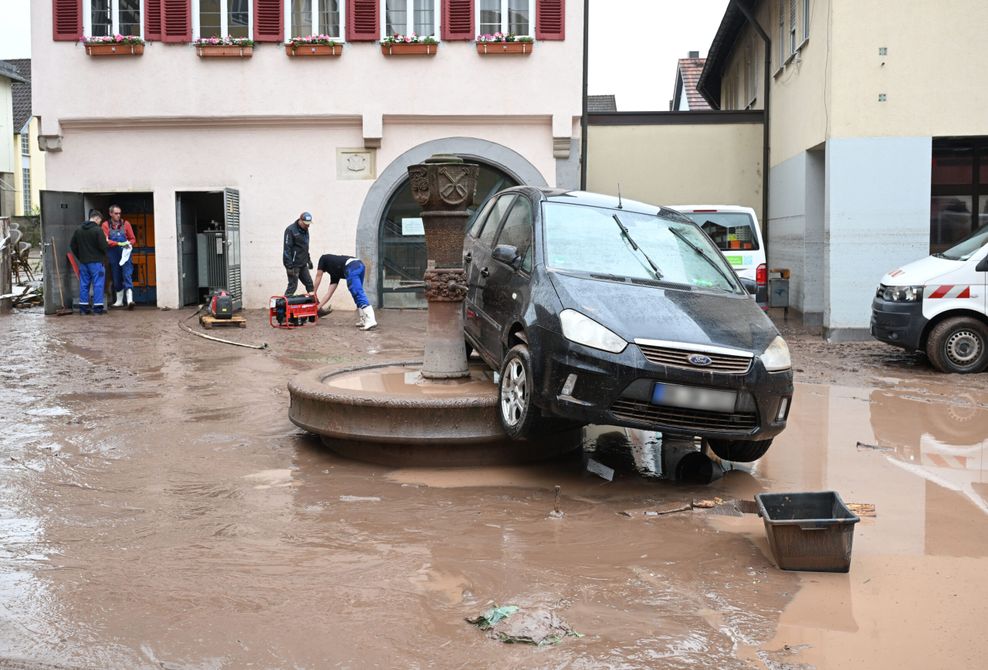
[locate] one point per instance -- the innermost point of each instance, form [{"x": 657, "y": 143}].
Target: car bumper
[
  {"x": 616, "y": 389},
  {"x": 898, "y": 323}
]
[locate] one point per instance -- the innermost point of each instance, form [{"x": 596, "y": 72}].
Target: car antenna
[{"x": 620, "y": 206}]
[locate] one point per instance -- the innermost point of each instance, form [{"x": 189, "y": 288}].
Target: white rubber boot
[
  {"x": 360, "y": 318},
  {"x": 369, "y": 320},
  {"x": 120, "y": 299},
  {"x": 130, "y": 298}
]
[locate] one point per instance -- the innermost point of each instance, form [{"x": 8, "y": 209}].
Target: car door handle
[
  {"x": 467, "y": 258},
  {"x": 485, "y": 273}
]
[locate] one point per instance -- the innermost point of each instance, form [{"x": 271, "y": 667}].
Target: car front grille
[
  {"x": 681, "y": 417},
  {"x": 679, "y": 358}
]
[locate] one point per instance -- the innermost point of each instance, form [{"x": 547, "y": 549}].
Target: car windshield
[
  {"x": 730, "y": 231},
  {"x": 967, "y": 247},
  {"x": 589, "y": 239}
]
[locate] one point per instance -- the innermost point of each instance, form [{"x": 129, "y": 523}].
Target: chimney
[{"x": 694, "y": 54}]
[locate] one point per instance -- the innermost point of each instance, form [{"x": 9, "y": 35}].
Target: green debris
[
  {"x": 488, "y": 619},
  {"x": 539, "y": 627}
]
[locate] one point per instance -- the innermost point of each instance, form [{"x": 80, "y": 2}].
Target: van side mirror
[
  {"x": 983, "y": 265},
  {"x": 507, "y": 254}
]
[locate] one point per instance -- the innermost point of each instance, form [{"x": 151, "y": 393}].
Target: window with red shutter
[
  {"x": 457, "y": 20},
  {"x": 152, "y": 20},
  {"x": 176, "y": 20},
  {"x": 550, "y": 19},
  {"x": 269, "y": 17},
  {"x": 363, "y": 21},
  {"x": 66, "y": 20}
]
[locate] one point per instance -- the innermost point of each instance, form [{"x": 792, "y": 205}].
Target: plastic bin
[{"x": 808, "y": 531}]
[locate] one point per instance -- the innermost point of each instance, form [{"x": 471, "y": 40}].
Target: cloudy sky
[{"x": 634, "y": 44}]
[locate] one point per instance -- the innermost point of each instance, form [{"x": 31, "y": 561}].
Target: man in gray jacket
[{"x": 296, "y": 254}]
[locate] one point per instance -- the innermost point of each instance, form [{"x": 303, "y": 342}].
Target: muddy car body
[{"x": 607, "y": 312}]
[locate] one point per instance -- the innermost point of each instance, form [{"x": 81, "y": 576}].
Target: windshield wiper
[
  {"x": 634, "y": 245},
  {"x": 703, "y": 254}
]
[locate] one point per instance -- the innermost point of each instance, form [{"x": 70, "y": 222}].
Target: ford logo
[{"x": 700, "y": 360}]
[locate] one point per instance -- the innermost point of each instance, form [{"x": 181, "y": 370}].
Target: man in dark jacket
[
  {"x": 296, "y": 254},
  {"x": 89, "y": 248}
]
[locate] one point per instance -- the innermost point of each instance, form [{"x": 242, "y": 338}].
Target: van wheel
[
  {"x": 519, "y": 417},
  {"x": 958, "y": 345},
  {"x": 739, "y": 451}
]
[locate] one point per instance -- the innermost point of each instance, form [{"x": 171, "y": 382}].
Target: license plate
[{"x": 691, "y": 397}]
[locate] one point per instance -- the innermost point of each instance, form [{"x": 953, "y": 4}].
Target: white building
[{"x": 167, "y": 133}]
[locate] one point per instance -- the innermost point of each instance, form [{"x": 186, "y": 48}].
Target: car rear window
[
  {"x": 730, "y": 231},
  {"x": 587, "y": 239}
]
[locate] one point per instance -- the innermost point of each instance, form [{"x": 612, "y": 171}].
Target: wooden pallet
[{"x": 209, "y": 322}]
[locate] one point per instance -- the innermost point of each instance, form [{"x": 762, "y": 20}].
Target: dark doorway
[{"x": 208, "y": 224}]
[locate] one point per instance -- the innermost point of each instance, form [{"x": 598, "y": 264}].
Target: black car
[{"x": 600, "y": 311}]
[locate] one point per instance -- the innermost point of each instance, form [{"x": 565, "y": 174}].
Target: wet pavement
[{"x": 158, "y": 510}]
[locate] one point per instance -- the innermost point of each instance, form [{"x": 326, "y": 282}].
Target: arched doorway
[{"x": 402, "y": 254}]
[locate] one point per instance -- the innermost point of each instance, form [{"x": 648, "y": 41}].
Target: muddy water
[{"x": 158, "y": 510}]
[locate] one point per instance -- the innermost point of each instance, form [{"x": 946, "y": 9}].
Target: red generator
[{"x": 292, "y": 311}]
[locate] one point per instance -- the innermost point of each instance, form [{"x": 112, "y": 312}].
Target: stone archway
[{"x": 392, "y": 177}]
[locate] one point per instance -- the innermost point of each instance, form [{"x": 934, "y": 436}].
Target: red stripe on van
[{"x": 942, "y": 291}]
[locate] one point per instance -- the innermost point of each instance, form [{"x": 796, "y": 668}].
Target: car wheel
[
  {"x": 958, "y": 345},
  {"x": 519, "y": 417},
  {"x": 739, "y": 451}
]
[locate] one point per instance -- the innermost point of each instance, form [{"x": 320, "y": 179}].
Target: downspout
[
  {"x": 583, "y": 115},
  {"x": 765, "y": 115}
]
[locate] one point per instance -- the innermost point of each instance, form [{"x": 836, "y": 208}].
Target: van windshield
[
  {"x": 968, "y": 246},
  {"x": 730, "y": 231},
  {"x": 642, "y": 246}
]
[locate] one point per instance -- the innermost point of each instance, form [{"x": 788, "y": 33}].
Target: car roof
[{"x": 590, "y": 199}]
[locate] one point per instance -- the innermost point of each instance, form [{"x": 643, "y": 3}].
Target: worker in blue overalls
[{"x": 120, "y": 236}]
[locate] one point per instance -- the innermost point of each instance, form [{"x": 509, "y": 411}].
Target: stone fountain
[{"x": 440, "y": 410}]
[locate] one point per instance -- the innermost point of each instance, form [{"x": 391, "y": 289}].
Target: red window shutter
[
  {"x": 176, "y": 20},
  {"x": 66, "y": 20},
  {"x": 269, "y": 19},
  {"x": 363, "y": 23},
  {"x": 152, "y": 20},
  {"x": 457, "y": 20},
  {"x": 550, "y": 19}
]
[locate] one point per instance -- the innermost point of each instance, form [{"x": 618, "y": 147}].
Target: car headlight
[
  {"x": 776, "y": 357},
  {"x": 584, "y": 330},
  {"x": 900, "y": 293}
]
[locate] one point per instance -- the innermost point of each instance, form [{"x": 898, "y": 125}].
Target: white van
[
  {"x": 939, "y": 305},
  {"x": 736, "y": 233}
]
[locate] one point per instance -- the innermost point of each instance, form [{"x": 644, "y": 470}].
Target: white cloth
[{"x": 125, "y": 256}]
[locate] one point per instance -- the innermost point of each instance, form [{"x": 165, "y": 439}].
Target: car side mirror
[
  {"x": 507, "y": 254},
  {"x": 983, "y": 265}
]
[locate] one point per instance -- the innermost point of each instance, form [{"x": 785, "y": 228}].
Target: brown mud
[{"x": 158, "y": 510}]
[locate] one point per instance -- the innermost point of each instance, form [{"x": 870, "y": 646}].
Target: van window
[
  {"x": 730, "y": 231},
  {"x": 968, "y": 247}
]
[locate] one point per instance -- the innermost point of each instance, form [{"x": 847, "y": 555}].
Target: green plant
[
  {"x": 114, "y": 39},
  {"x": 409, "y": 39}
]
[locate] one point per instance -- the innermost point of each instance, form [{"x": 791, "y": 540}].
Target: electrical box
[{"x": 211, "y": 248}]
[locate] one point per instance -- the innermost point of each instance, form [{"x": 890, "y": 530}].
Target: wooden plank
[{"x": 208, "y": 322}]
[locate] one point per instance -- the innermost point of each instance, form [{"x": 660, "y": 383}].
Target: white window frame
[
  {"x": 806, "y": 20},
  {"x": 26, "y": 188},
  {"x": 87, "y": 17},
  {"x": 317, "y": 29},
  {"x": 410, "y": 18},
  {"x": 25, "y": 143},
  {"x": 793, "y": 26},
  {"x": 504, "y": 18},
  {"x": 224, "y": 20}
]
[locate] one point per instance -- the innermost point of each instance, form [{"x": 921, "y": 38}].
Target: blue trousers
[
  {"x": 355, "y": 283},
  {"x": 122, "y": 274},
  {"x": 91, "y": 275}
]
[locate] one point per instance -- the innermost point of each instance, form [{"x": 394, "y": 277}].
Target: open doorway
[
  {"x": 138, "y": 209},
  {"x": 208, "y": 224}
]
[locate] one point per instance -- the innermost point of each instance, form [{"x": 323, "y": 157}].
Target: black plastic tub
[{"x": 808, "y": 531}]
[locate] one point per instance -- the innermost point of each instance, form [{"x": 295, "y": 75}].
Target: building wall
[
  {"x": 932, "y": 74},
  {"x": 280, "y": 170},
  {"x": 749, "y": 45},
  {"x": 698, "y": 163}
]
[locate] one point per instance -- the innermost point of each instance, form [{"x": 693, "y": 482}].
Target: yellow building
[{"x": 28, "y": 160}]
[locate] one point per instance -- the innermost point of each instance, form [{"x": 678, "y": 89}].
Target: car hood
[{"x": 635, "y": 311}]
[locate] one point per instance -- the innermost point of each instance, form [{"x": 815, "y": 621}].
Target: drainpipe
[
  {"x": 765, "y": 115},
  {"x": 586, "y": 76}
]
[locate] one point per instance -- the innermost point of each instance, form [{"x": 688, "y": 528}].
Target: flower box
[
  {"x": 112, "y": 49},
  {"x": 224, "y": 51},
  {"x": 313, "y": 49},
  {"x": 496, "y": 48},
  {"x": 409, "y": 49}
]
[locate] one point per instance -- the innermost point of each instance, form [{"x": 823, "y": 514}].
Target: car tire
[
  {"x": 958, "y": 345},
  {"x": 519, "y": 417},
  {"x": 739, "y": 451}
]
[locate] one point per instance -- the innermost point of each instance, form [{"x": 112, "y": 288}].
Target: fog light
[
  {"x": 569, "y": 385},
  {"x": 783, "y": 409}
]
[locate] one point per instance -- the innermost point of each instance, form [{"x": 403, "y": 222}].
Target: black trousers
[{"x": 294, "y": 275}]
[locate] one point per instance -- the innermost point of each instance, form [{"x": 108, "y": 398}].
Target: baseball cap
[{"x": 306, "y": 216}]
